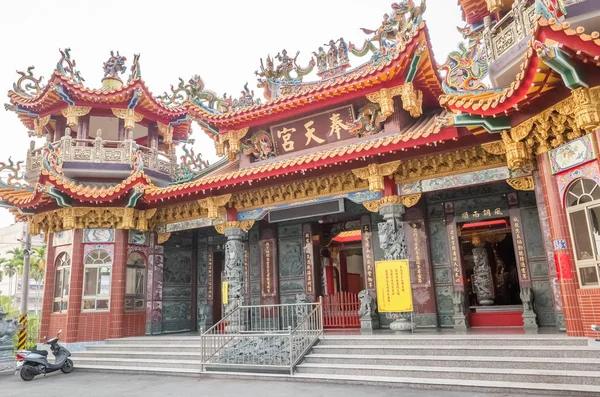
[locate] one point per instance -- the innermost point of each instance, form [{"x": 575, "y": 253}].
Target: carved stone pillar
[
  {"x": 234, "y": 274},
  {"x": 393, "y": 244},
  {"x": 482, "y": 275}
]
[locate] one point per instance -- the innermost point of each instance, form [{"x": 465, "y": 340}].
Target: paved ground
[{"x": 88, "y": 384}]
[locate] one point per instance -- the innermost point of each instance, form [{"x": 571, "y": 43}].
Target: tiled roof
[
  {"x": 473, "y": 10},
  {"x": 421, "y": 131}
]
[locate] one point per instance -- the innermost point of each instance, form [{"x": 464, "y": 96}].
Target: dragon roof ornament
[
  {"x": 66, "y": 67},
  {"x": 114, "y": 66},
  {"x": 194, "y": 92}
]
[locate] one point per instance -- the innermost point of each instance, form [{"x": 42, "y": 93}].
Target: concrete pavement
[{"x": 89, "y": 384}]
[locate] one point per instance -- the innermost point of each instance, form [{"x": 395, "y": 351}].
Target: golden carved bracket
[
  {"x": 412, "y": 99},
  {"x": 39, "y": 125},
  {"x": 374, "y": 173},
  {"x": 162, "y": 237},
  {"x": 244, "y": 225},
  {"x": 215, "y": 205},
  {"x": 229, "y": 143},
  {"x": 561, "y": 123},
  {"x": 522, "y": 183},
  {"x": 166, "y": 131},
  {"x": 408, "y": 201},
  {"x": 129, "y": 116},
  {"x": 73, "y": 113}
]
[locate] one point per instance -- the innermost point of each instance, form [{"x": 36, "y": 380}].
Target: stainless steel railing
[{"x": 266, "y": 337}]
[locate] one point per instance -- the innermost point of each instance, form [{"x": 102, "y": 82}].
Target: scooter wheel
[
  {"x": 67, "y": 366},
  {"x": 26, "y": 375}
]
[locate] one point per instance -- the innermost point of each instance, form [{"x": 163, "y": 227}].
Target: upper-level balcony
[
  {"x": 506, "y": 39},
  {"x": 101, "y": 159}
]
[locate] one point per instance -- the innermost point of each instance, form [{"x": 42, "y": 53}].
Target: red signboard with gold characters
[{"x": 313, "y": 131}]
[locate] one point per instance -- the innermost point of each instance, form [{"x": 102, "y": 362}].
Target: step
[
  {"x": 462, "y": 350},
  {"x": 139, "y": 370},
  {"x": 485, "y": 374},
  {"x": 516, "y": 388},
  {"x": 196, "y": 341},
  {"x": 145, "y": 347},
  {"x": 140, "y": 354},
  {"x": 575, "y": 364},
  {"x": 521, "y": 340},
  {"x": 132, "y": 362}
]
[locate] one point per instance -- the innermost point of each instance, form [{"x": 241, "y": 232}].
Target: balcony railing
[
  {"x": 510, "y": 30},
  {"x": 105, "y": 152}
]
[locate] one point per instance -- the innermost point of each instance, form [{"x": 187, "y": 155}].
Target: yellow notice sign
[
  {"x": 393, "y": 286},
  {"x": 224, "y": 292}
]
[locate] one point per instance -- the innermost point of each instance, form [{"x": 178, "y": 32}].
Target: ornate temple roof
[
  {"x": 536, "y": 77},
  {"x": 32, "y": 100},
  {"x": 473, "y": 10}
]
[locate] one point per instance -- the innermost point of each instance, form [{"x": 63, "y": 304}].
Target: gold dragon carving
[
  {"x": 374, "y": 174},
  {"x": 244, "y": 225},
  {"x": 522, "y": 183},
  {"x": 407, "y": 201},
  {"x": 563, "y": 122}
]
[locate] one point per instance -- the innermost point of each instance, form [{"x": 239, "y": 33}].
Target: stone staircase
[
  {"x": 167, "y": 355},
  {"x": 527, "y": 364}
]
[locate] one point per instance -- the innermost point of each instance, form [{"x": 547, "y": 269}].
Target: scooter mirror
[{"x": 59, "y": 332}]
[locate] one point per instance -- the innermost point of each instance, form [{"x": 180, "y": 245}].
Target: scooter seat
[{"x": 41, "y": 352}]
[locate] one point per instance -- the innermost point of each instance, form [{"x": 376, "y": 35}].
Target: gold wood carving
[
  {"x": 340, "y": 183},
  {"x": 410, "y": 200},
  {"x": 129, "y": 116},
  {"x": 89, "y": 217},
  {"x": 221, "y": 227},
  {"x": 372, "y": 206},
  {"x": 177, "y": 213},
  {"x": 246, "y": 225},
  {"x": 162, "y": 237},
  {"x": 522, "y": 183},
  {"x": 166, "y": 131},
  {"x": 73, "y": 113},
  {"x": 229, "y": 143},
  {"x": 495, "y": 6},
  {"x": 412, "y": 99},
  {"x": 39, "y": 125},
  {"x": 375, "y": 173},
  {"x": 215, "y": 205},
  {"x": 561, "y": 123},
  {"x": 448, "y": 163}
]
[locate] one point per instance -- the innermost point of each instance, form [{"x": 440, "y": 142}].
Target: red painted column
[
  {"x": 48, "y": 298},
  {"x": 564, "y": 258},
  {"x": 117, "y": 289},
  {"x": 75, "y": 290}
]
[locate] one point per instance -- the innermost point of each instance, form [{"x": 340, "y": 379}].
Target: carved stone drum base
[{"x": 402, "y": 324}]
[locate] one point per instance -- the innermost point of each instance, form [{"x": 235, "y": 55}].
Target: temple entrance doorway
[
  {"x": 491, "y": 273},
  {"x": 218, "y": 277}
]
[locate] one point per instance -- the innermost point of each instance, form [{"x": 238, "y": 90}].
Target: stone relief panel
[
  {"x": 438, "y": 238},
  {"x": 178, "y": 266},
  {"x": 290, "y": 258},
  {"x": 532, "y": 232},
  {"x": 177, "y": 292},
  {"x": 544, "y": 303},
  {"x": 442, "y": 275}
]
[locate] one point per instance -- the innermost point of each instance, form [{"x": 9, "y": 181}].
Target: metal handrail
[{"x": 315, "y": 315}]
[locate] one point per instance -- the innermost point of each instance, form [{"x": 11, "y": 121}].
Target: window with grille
[
  {"x": 97, "y": 280},
  {"x": 62, "y": 278},
  {"x": 135, "y": 284}
]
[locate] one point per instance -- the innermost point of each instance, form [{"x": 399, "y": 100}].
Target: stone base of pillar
[
  {"x": 460, "y": 322},
  {"x": 529, "y": 320},
  {"x": 369, "y": 323},
  {"x": 560, "y": 322},
  {"x": 402, "y": 324}
]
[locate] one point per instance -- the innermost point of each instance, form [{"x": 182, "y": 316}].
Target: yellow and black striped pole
[{"x": 22, "y": 332}]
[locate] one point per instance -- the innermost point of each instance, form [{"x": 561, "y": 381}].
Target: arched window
[
  {"x": 97, "y": 266},
  {"x": 62, "y": 277},
  {"x": 135, "y": 284},
  {"x": 583, "y": 207}
]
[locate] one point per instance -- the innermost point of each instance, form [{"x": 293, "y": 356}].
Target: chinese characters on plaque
[
  {"x": 368, "y": 256},
  {"x": 456, "y": 269},
  {"x": 520, "y": 251},
  {"x": 210, "y": 276},
  {"x": 268, "y": 253},
  {"x": 486, "y": 213},
  {"x": 308, "y": 249},
  {"x": 394, "y": 292},
  {"x": 417, "y": 246},
  {"x": 312, "y": 131}
]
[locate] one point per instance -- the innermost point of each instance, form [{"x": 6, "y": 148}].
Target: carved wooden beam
[
  {"x": 407, "y": 201},
  {"x": 412, "y": 99},
  {"x": 244, "y": 225},
  {"x": 229, "y": 143},
  {"x": 129, "y": 116},
  {"x": 39, "y": 125},
  {"x": 522, "y": 183},
  {"x": 162, "y": 237},
  {"x": 374, "y": 173},
  {"x": 166, "y": 131}
]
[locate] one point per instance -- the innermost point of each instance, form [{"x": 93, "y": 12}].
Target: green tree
[{"x": 37, "y": 270}]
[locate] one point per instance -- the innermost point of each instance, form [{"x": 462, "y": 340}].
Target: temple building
[{"x": 490, "y": 191}]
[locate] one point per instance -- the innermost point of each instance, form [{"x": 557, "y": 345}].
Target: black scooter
[{"x": 36, "y": 362}]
